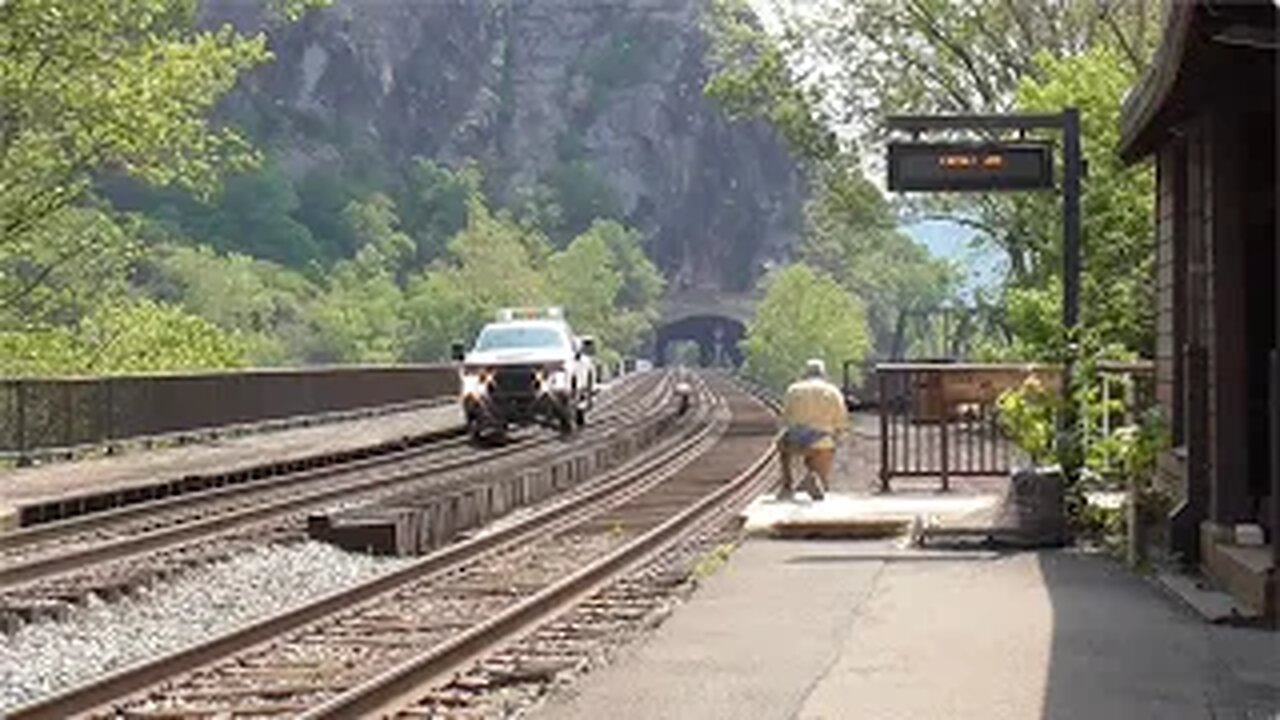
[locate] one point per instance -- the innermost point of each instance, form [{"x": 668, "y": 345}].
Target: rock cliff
[{"x": 612, "y": 88}]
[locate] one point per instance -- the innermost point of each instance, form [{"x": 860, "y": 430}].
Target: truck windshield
[{"x": 514, "y": 337}]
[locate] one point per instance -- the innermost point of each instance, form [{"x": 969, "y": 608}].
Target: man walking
[{"x": 814, "y": 413}]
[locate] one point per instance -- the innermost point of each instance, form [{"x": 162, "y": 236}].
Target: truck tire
[{"x": 564, "y": 420}]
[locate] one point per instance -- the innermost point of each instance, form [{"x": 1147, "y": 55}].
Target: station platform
[
  {"x": 105, "y": 480},
  {"x": 871, "y": 629}
]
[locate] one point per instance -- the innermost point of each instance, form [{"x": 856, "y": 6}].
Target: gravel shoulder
[{"x": 43, "y": 658}]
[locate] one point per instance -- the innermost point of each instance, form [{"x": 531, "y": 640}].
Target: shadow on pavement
[{"x": 1122, "y": 649}]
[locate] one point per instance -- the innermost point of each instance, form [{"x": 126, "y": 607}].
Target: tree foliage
[
  {"x": 262, "y": 303},
  {"x": 755, "y": 78},
  {"x": 122, "y": 84},
  {"x": 1118, "y": 225},
  {"x": 851, "y": 230},
  {"x": 875, "y": 58},
  {"x": 128, "y": 336},
  {"x": 852, "y": 236},
  {"x": 608, "y": 287},
  {"x": 804, "y": 314},
  {"x": 851, "y": 63},
  {"x": 138, "y": 234},
  {"x": 493, "y": 262}
]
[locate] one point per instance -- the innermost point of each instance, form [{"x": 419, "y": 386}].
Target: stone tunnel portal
[{"x": 717, "y": 337}]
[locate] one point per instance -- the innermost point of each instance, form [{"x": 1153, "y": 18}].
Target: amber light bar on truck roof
[{"x": 531, "y": 313}]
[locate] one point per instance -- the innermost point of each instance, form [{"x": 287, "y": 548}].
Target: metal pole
[
  {"x": 946, "y": 448},
  {"x": 1071, "y": 172},
  {"x": 23, "y": 458},
  {"x": 1072, "y": 163},
  {"x": 882, "y": 381},
  {"x": 1275, "y": 469}
]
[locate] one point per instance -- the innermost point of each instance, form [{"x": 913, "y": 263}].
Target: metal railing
[
  {"x": 49, "y": 416},
  {"x": 942, "y": 420}
]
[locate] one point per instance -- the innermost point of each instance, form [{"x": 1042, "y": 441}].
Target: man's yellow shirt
[{"x": 817, "y": 404}]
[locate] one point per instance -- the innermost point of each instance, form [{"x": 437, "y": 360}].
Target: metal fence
[
  {"x": 41, "y": 416},
  {"x": 942, "y": 420}
]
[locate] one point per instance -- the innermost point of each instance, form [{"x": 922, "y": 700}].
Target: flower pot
[{"x": 1034, "y": 509}]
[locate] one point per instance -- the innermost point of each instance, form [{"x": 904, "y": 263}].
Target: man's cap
[{"x": 814, "y": 367}]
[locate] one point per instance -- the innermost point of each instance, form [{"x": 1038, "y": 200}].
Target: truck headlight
[
  {"x": 553, "y": 381},
  {"x": 474, "y": 385}
]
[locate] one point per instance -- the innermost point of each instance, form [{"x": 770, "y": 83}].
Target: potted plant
[{"x": 1035, "y": 507}]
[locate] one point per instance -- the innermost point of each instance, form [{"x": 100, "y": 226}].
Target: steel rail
[
  {"x": 46, "y": 566},
  {"x": 424, "y": 444},
  {"x": 109, "y": 689},
  {"x": 399, "y": 686}
]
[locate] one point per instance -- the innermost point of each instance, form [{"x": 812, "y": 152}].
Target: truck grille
[{"x": 514, "y": 381}]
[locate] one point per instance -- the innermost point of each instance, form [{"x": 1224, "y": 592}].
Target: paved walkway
[{"x": 868, "y": 629}]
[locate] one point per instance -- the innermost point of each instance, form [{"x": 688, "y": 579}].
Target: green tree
[
  {"x": 323, "y": 195},
  {"x": 493, "y": 262},
  {"x": 376, "y": 229},
  {"x": 262, "y": 303},
  {"x": 360, "y": 316},
  {"x": 1118, "y": 225},
  {"x": 637, "y": 305},
  {"x": 851, "y": 234},
  {"x": 254, "y": 215},
  {"x": 77, "y": 259},
  {"x": 950, "y": 56},
  {"x": 433, "y": 205},
  {"x": 129, "y": 336},
  {"x": 755, "y": 78},
  {"x": 583, "y": 279},
  {"x": 581, "y": 196},
  {"x": 860, "y": 61},
  {"x": 804, "y": 314},
  {"x": 609, "y": 288},
  {"x": 110, "y": 84}
]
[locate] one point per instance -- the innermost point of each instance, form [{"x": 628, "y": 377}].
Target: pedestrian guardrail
[
  {"x": 43, "y": 416},
  {"x": 942, "y": 420}
]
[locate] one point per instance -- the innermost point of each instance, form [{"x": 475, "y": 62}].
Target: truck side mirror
[
  {"x": 588, "y": 345},
  {"x": 457, "y": 351}
]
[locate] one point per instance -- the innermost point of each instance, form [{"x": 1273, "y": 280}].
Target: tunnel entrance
[{"x": 716, "y": 337}]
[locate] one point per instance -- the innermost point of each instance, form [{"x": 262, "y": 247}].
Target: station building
[{"x": 1205, "y": 111}]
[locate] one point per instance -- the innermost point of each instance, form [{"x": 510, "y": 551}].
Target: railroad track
[
  {"x": 108, "y": 554},
  {"x": 379, "y": 646}
]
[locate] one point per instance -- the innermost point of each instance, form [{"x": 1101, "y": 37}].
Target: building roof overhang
[{"x": 1190, "y": 51}]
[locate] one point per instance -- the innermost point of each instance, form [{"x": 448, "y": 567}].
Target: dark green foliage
[
  {"x": 433, "y": 205},
  {"x": 582, "y": 195},
  {"x": 322, "y": 197},
  {"x": 255, "y": 217}
]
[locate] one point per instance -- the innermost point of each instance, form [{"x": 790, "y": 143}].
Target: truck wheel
[{"x": 580, "y": 416}]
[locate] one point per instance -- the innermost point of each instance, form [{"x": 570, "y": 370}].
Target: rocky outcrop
[{"x": 611, "y": 87}]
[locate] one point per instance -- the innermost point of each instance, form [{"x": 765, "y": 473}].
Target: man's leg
[
  {"x": 784, "y": 462},
  {"x": 818, "y": 479}
]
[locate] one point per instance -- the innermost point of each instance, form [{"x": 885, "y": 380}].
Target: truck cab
[{"x": 527, "y": 367}]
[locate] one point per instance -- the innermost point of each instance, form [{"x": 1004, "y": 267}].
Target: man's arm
[{"x": 839, "y": 412}]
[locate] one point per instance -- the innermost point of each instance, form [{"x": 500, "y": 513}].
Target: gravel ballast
[{"x": 46, "y": 657}]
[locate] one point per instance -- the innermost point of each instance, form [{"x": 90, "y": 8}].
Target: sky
[{"x": 952, "y": 241}]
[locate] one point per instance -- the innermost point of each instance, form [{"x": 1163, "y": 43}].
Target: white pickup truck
[{"x": 526, "y": 368}]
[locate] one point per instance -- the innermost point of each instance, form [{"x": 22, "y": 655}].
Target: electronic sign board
[{"x": 943, "y": 167}]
